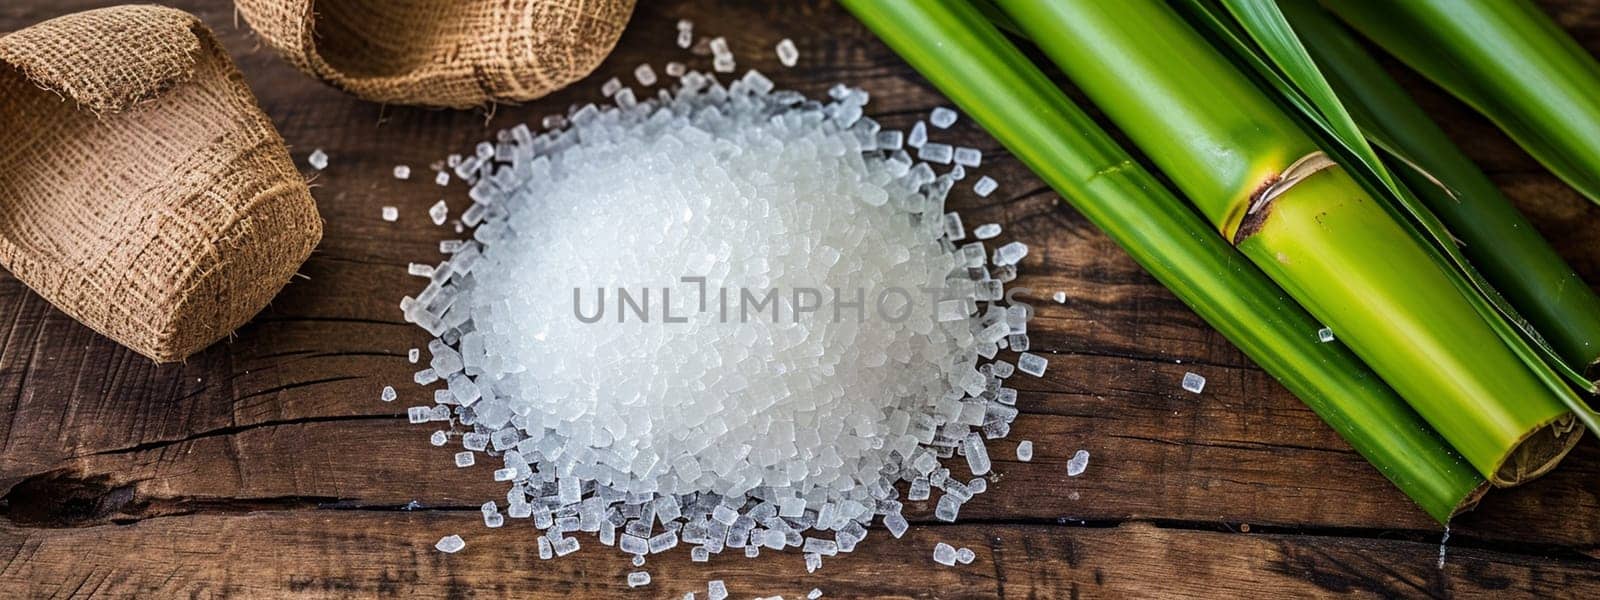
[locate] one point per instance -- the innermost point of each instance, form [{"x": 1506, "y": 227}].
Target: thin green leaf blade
[{"x": 1507, "y": 59}]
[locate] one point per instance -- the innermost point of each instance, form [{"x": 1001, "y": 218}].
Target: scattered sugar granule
[
  {"x": 442, "y": 178},
  {"x": 1025, "y": 450},
  {"x": 788, "y": 55},
  {"x": 1325, "y": 335},
  {"x": 985, "y": 186},
  {"x": 402, "y": 172},
  {"x": 610, "y": 87},
  {"x": 813, "y": 562},
  {"x": 1032, "y": 364},
  {"x": 676, "y": 69},
  {"x": 318, "y": 159},
  {"x": 965, "y": 555},
  {"x": 944, "y": 554},
  {"x": 438, "y": 213},
  {"x": 918, "y": 135},
  {"x": 1060, "y": 297},
  {"x": 645, "y": 74},
  {"x": 942, "y": 117},
  {"x": 968, "y": 157},
  {"x": 388, "y": 394},
  {"x": 935, "y": 152},
  {"x": 419, "y": 269},
  {"x": 465, "y": 459},
  {"x": 1193, "y": 382},
  {"x": 439, "y": 438},
  {"x": 987, "y": 231},
  {"x": 723, "y": 63},
  {"x": 716, "y": 590},
  {"x": 414, "y": 355},
  {"x": 450, "y": 544},
  {"x": 814, "y": 594},
  {"x": 391, "y": 214},
  {"x": 1078, "y": 462},
  {"x": 638, "y": 579}
]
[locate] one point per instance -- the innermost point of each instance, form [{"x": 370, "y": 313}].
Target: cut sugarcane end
[{"x": 1538, "y": 452}]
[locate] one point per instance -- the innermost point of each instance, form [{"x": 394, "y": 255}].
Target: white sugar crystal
[
  {"x": 813, "y": 562},
  {"x": 942, "y": 117},
  {"x": 987, "y": 231},
  {"x": 723, "y": 63},
  {"x": 442, "y": 178},
  {"x": 645, "y": 75},
  {"x": 935, "y": 152},
  {"x": 318, "y": 159},
  {"x": 438, "y": 212},
  {"x": 420, "y": 269},
  {"x": 813, "y": 594},
  {"x": 1060, "y": 297},
  {"x": 1010, "y": 254},
  {"x": 949, "y": 507},
  {"x": 465, "y": 459},
  {"x": 1025, "y": 450},
  {"x": 1325, "y": 335},
  {"x": 918, "y": 136},
  {"x": 388, "y": 394},
  {"x": 1194, "y": 382},
  {"x": 1032, "y": 364},
  {"x": 1078, "y": 462},
  {"x": 439, "y": 438},
  {"x": 638, "y": 579},
  {"x": 716, "y": 590},
  {"x": 413, "y": 355},
  {"x": 968, "y": 157},
  {"x": 944, "y": 554},
  {"x": 450, "y": 544},
  {"x": 402, "y": 172},
  {"x": 788, "y": 55},
  {"x": 965, "y": 555},
  {"x": 771, "y": 432},
  {"x": 985, "y": 186},
  {"x": 391, "y": 214},
  {"x": 610, "y": 87},
  {"x": 977, "y": 455}
]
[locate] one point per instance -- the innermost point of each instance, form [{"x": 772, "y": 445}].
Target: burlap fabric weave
[
  {"x": 142, "y": 191},
  {"x": 442, "y": 53}
]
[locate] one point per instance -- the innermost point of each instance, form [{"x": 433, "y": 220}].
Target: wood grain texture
[{"x": 266, "y": 466}]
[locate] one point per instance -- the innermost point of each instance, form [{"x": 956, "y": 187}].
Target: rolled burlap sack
[
  {"x": 442, "y": 53},
  {"x": 142, "y": 191}
]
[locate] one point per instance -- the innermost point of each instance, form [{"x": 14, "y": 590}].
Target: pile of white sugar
[{"x": 724, "y": 316}]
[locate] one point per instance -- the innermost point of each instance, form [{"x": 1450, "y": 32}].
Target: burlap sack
[
  {"x": 442, "y": 53},
  {"x": 142, "y": 191}
]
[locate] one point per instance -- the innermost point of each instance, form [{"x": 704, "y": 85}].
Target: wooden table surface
[{"x": 267, "y": 467}]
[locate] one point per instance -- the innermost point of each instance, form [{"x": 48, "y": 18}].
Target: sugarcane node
[{"x": 1269, "y": 190}]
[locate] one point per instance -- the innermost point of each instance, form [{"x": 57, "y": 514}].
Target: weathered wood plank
[{"x": 334, "y": 553}]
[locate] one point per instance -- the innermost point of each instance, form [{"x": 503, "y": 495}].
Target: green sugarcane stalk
[
  {"x": 1508, "y": 60},
  {"x": 952, "y": 45},
  {"x": 1498, "y": 239},
  {"x": 1266, "y": 186}
]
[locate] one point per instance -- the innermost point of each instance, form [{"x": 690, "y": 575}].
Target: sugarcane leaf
[
  {"x": 1275, "y": 50},
  {"x": 1511, "y": 62}
]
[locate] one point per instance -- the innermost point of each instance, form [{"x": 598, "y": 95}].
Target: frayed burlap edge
[
  {"x": 142, "y": 190},
  {"x": 442, "y": 53}
]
